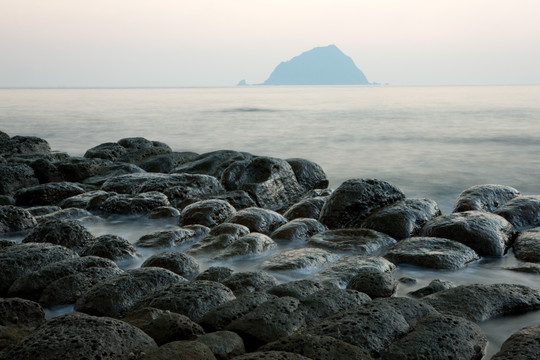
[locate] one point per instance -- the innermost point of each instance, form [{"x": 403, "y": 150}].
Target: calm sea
[{"x": 430, "y": 141}]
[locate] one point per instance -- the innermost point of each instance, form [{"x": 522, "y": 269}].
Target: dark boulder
[
  {"x": 523, "y": 344},
  {"x": 308, "y": 208},
  {"x": 16, "y": 176},
  {"x": 259, "y": 220},
  {"x": 298, "y": 230},
  {"x": 356, "y": 199},
  {"x": 177, "y": 262},
  {"x": 530, "y": 268},
  {"x": 181, "y": 350},
  {"x": 43, "y": 210},
  {"x": 164, "y": 212},
  {"x": 303, "y": 259},
  {"x": 65, "y": 214},
  {"x": 165, "y": 163},
  {"x": 107, "y": 151},
  {"x": 250, "y": 281},
  {"x": 140, "y": 149},
  {"x": 253, "y": 244},
  {"x": 212, "y": 163},
  {"x": 487, "y": 234},
  {"x": 308, "y": 174},
  {"x": 404, "y": 218},
  {"x": 486, "y": 197},
  {"x": 374, "y": 283},
  {"x": 527, "y": 245},
  {"x": 523, "y": 212},
  {"x": 111, "y": 247},
  {"x": 239, "y": 199},
  {"x": 134, "y": 204},
  {"x": 168, "y": 238},
  {"x": 299, "y": 289},
  {"x": 21, "y": 145},
  {"x": 191, "y": 188},
  {"x": 224, "y": 344},
  {"x": 18, "y": 318},
  {"x": 13, "y": 219},
  {"x": 359, "y": 241},
  {"x": 135, "y": 183},
  {"x": 206, "y": 212},
  {"x": 433, "y": 287},
  {"x": 68, "y": 233},
  {"x": 77, "y": 169},
  {"x": 215, "y": 273},
  {"x": 46, "y": 170},
  {"x": 47, "y": 194},
  {"x": 110, "y": 171},
  {"x": 271, "y": 355},
  {"x": 6, "y": 200},
  {"x": 219, "y": 238}
]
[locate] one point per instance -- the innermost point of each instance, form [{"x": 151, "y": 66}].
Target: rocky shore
[{"x": 235, "y": 206}]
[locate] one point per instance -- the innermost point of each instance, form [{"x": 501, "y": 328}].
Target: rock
[
  {"x": 82, "y": 201},
  {"x": 177, "y": 262},
  {"x": 18, "y": 318},
  {"x": 81, "y": 336},
  {"x": 403, "y": 219},
  {"x": 65, "y": 214},
  {"x": 529, "y": 268},
  {"x": 191, "y": 188},
  {"x": 47, "y": 194},
  {"x": 359, "y": 241},
  {"x": 239, "y": 199},
  {"x": 163, "y": 326},
  {"x": 431, "y": 252},
  {"x": 110, "y": 171},
  {"x": 215, "y": 273},
  {"x": 303, "y": 259},
  {"x": 31, "y": 285},
  {"x": 142, "y": 182},
  {"x": 114, "y": 296},
  {"x": 299, "y": 289},
  {"x": 167, "y": 238},
  {"x": 486, "y": 197},
  {"x": 433, "y": 287},
  {"x": 68, "y": 233},
  {"x": 181, "y": 350},
  {"x": 527, "y": 245},
  {"x": 6, "y": 243},
  {"x": 43, "y": 210},
  {"x": 258, "y": 220},
  {"x": 487, "y": 234},
  {"x": 206, "y": 212},
  {"x": 13, "y": 219},
  {"x": 6, "y": 200},
  {"x": 14, "y": 177},
  {"x": 45, "y": 170},
  {"x": 308, "y": 174},
  {"x": 111, "y": 247},
  {"x": 140, "y": 149},
  {"x": 440, "y": 337},
  {"x": 224, "y": 344},
  {"x": 523, "y": 344},
  {"x": 523, "y": 212},
  {"x": 250, "y": 281},
  {"x": 483, "y": 302},
  {"x": 222, "y": 315},
  {"x": 107, "y": 151},
  {"x": 77, "y": 169},
  {"x": 270, "y": 182},
  {"x": 268, "y": 322},
  {"x": 298, "y": 230},
  {"x": 21, "y": 259},
  {"x": 407, "y": 280},
  {"x": 219, "y": 238},
  {"x": 325, "y": 303},
  {"x": 165, "y": 163},
  {"x": 20, "y": 145},
  {"x": 134, "y": 204},
  {"x": 309, "y": 208},
  {"x": 164, "y": 212},
  {"x": 317, "y": 347},
  {"x": 212, "y": 163},
  {"x": 356, "y": 199},
  {"x": 193, "y": 299},
  {"x": 271, "y": 355},
  {"x": 376, "y": 324},
  {"x": 253, "y": 244},
  {"x": 374, "y": 283},
  {"x": 339, "y": 274}
]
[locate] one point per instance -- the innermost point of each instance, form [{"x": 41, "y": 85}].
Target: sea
[{"x": 431, "y": 142}]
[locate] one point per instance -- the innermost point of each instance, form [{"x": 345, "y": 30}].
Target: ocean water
[{"x": 431, "y": 142}]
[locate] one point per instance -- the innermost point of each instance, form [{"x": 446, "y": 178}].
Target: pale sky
[{"x": 125, "y": 43}]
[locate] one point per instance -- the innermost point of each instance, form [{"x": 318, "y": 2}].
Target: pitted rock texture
[
  {"x": 486, "y": 197},
  {"x": 358, "y": 241},
  {"x": 297, "y": 230},
  {"x": 179, "y": 263}
]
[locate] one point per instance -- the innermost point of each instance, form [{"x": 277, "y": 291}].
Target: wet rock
[
  {"x": 269, "y": 322},
  {"x": 527, "y": 245},
  {"x": 20, "y": 145},
  {"x": 107, "y": 151},
  {"x": 258, "y": 220},
  {"x": 222, "y": 315},
  {"x": 13, "y": 219},
  {"x": 270, "y": 182},
  {"x": 31, "y": 285},
  {"x": 191, "y": 188},
  {"x": 271, "y": 355},
  {"x": 529, "y": 268},
  {"x": 165, "y": 163},
  {"x": 65, "y": 214},
  {"x": 404, "y": 218},
  {"x": 523, "y": 344},
  {"x": 433, "y": 287},
  {"x": 298, "y": 230},
  {"x": 167, "y": 238},
  {"x": 374, "y": 283},
  {"x": 6, "y": 243},
  {"x": 47, "y": 194},
  {"x": 114, "y": 296},
  {"x": 523, "y": 212},
  {"x": 224, "y": 344},
  {"x": 430, "y": 252},
  {"x": 192, "y": 299},
  {"x": 309, "y": 208},
  {"x": 77, "y": 169},
  {"x": 212, "y": 163},
  {"x": 164, "y": 212},
  {"x": 339, "y": 274},
  {"x": 68, "y": 233},
  {"x": 215, "y": 273},
  {"x": 253, "y": 244},
  {"x": 317, "y": 347},
  {"x": 6, "y": 200},
  {"x": 407, "y": 280},
  {"x": 299, "y": 289},
  {"x": 177, "y": 262},
  {"x": 239, "y": 199},
  {"x": 303, "y": 259},
  {"x": 14, "y": 177},
  {"x": 308, "y": 174},
  {"x": 163, "y": 326},
  {"x": 206, "y": 212},
  {"x": 81, "y": 336},
  {"x": 486, "y": 197},
  {"x": 249, "y": 281},
  {"x": 45, "y": 170},
  {"x": 487, "y": 234},
  {"x": 359, "y": 241},
  {"x": 140, "y": 149},
  {"x": 43, "y": 210},
  {"x": 81, "y": 201},
  {"x": 356, "y": 199},
  {"x": 134, "y": 204},
  {"x": 181, "y": 350},
  {"x": 376, "y": 324},
  {"x": 110, "y": 171},
  {"x": 111, "y": 247},
  {"x": 219, "y": 238},
  {"x": 142, "y": 182},
  {"x": 18, "y": 318},
  {"x": 483, "y": 302},
  {"x": 440, "y": 337},
  {"x": 21, "y": 259}
]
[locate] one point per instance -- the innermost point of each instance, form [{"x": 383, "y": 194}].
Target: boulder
[
  {"x": 47, "y": 194},
  {"x": 181, "y": 350},
  {"x": 110, "y": 171},
  {"x": 224, "y": 344},
  {"x": 83, "y": 200},
  {"x": 68, "y": 233},
  {"x": 239, "y": 199},
  {"x": 206, "y": 212},
  {"x": 250, "y": 281},
  {"x": 164, "y": 212},
  {"x": 486, "y": 233},
  {"x": 308, "y": 208},
  {"x": 523, "y": 344},
  {"x": 45, "y": 170},
  {"x": 43, "y": 210},
  {"x": 529, "y": 268},
  {"x": 215, "y": 273},
  {"x": 431, "y": 252},
  {"x": 527, "y": 245},
  {"x": 21, "y": 145},
  {"x": 304, "y": 259},
  {"x": 271, "y": 355},
  {"x": 107, "y": 151},
  {"x": 486, "y": 197},
  {"x": 212, "y": 163},
  {"x": 253, "y": 244},
  {"x": 111, "y": 247},
  {"x": 140, "y": 149},
  {"x": 308, "y": 174},
  {"x": 523, "y": 212},
  {"x": 165, "y": 163},
  {"x": 177, "y": 262},
  {"x": 356, "y": 199},
  {"x": 167, "y": 238},
  {"x": 76, "y": 169},
  {"x": 16, "y": 176},
  {"x": 18, "y": 318},
  {"x": 259, "y": 220},
  {"x": 298, "y": 230},
  {"x": 219, "y": 238},
  {"x": 134, "y": 204},
  {"x": 358, "y": 241},
  {"x": 191, "y": 188},
  {"x": 81, "y": 336},
  {"x": 299, "y": 289},
  {"x": 433, "y": 287},
  {"x": 6, "y": 200},
  {"x": 65, "y": 214},
  {"x": 403, "y": 219},
  {"x": 13, "y": 219},
  {"x": 374, "y": 283}
]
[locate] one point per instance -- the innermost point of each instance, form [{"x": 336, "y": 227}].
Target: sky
[{"x": 177, "y": 43}]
